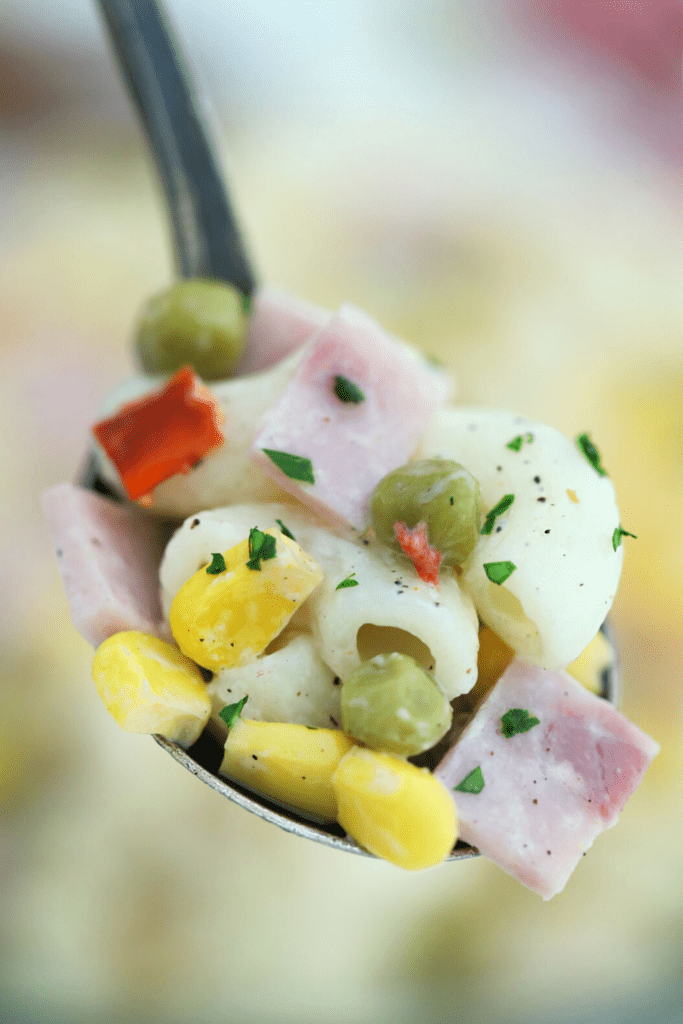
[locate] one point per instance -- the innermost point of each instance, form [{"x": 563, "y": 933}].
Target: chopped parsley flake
[
  {"x": 515, "y": 445},
  {"x": 591, "y": 452},
  {"x": 246, "y": 304},
  {"x": 517, "y": 720},
  {"x": 217, "y": 564},
  {"x": 261, "y": 546},
  {"x": 347, "y": 391},
  {"x": 296, "y": 467},
  {"x": 498, "y": 572},
  {"x": 348, "y": 582},
  {"x": 285, "y": 530},
  {"x": 231, "y": 712},
  {"x": 497, "y": 510},
  {"x": 618, "y": 534},
  {"x": 472, "y": 783}
]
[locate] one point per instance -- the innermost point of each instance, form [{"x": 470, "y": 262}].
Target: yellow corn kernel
[
  {"x": 394, "y": 809},
  {"x": 149, "y": 686},
  {"x": 289, "y": 763},
  {"x": 230, "y": 618},
  {"x": 592, "y": 662},
  {"x": 493, "y": 658}
]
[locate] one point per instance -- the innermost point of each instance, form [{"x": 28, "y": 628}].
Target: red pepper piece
[
  {"x": 163, "y": 433},
  {"x": 424, "y": 557}
]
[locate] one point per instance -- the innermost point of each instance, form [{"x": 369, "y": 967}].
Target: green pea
[
  {"x": 199, "y": 323},
  {"x": 390, "y": 703},
  {"x": 441, "y": 493}
]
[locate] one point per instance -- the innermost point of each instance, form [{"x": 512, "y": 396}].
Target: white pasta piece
[
  {"x": 226, "y": 474},
  {"x": 557, "y": 532},
  {"x": 392, "y": 598},
  {"x": 437, "y": 627},
  {"x": 292, "y": 684}
]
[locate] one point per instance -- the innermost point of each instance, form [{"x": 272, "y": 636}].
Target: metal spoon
[{"x": 207, "y": 244}]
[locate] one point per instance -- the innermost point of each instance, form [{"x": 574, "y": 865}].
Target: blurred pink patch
[{"x": 643, "y": 38}]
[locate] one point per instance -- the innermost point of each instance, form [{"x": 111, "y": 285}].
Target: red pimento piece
[
  {"x": 415, "y": 545},
  {"x": 163, "y": 433}
]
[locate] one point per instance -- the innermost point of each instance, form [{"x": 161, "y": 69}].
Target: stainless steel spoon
[{"x": 207, "y": 244}]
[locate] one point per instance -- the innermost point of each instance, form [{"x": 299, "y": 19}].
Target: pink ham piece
[
  {"x": 280, "y": 323},
  {"x": 550, "y": 791},
  {"x": 108, "y": 557},
  {"x": 351, "y": 446}
]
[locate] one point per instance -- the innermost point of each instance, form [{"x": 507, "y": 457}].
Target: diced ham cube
[
  {"x": 549, "y": 791},
  {"x": 279, "y": 324},
  {"x": 351, "y": 444},
  {"x": 108, "y": 556}
]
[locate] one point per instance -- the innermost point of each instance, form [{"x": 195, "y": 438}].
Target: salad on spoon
[{"x": 367, "y": 614}]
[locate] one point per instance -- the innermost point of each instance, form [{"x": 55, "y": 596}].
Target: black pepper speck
[{"x": 195, "y": 522}]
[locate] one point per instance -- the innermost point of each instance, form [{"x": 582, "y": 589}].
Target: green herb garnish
[
  {"x": 497, "y": 510},
  {"x": 591, "y": 452},
  {"x": 516, "y": 443},
  {"x": 618, "y": 534},
  {"x": 261, "y": 546},
  {"x": 217, "y": 564},
  {"x": 498, "y": 572},
  {"x": 348, "y": 582},
  {"x": 347, "y": 391},
  {"x": 516, "y": 720},
  {"x": 285, "y": 530},
  {"x": 472, "y": 783},
  {"x": 246, "y": 303},
  {"x": 231, "y": 712},
  {"x": 294, "y": 466}
]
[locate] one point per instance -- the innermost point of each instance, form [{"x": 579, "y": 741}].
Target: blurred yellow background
[{"x": 408, "y": 159}]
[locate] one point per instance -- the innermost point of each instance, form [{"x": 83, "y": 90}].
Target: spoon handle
[{"x": 207, "y": 240}]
